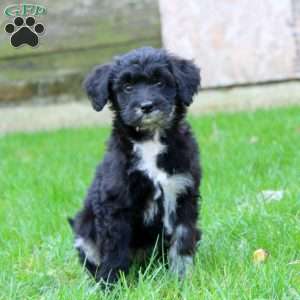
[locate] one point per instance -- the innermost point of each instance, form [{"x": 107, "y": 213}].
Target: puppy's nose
[{"x": 147, "y": 107}]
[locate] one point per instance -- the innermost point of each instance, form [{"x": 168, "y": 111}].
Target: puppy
[{"x": 147, "y": 185}]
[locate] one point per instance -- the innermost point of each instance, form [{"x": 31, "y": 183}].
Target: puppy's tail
[{"x": 71, "y": 222}]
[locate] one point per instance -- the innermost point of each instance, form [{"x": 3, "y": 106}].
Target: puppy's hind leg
[
  {"x": 115, "y": 235},
  {"x": 85, "y": 239}
]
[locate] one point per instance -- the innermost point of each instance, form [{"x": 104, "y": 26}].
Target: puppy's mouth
[
  {"x": 141, "y": 121},
  {"x": 152, "y": 121}
]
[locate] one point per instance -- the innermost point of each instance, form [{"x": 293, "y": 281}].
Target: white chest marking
[{"x": 172, "y": 185}]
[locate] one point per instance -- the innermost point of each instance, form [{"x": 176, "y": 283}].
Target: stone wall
[
  {"x": 235, "y": 41},
  {"x": 296, "y": 31},
  {"x": 79, "y": 34}
]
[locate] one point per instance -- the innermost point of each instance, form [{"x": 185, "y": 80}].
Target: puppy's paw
[{"x": 180, "y": 264}]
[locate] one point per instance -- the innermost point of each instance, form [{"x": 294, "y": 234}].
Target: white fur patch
[
  {"x": 172, "y": 185},
  {"x": 179, "y": 264},
  {"x": 89, "y": 248},
  {"x": 150, "y": 212}
]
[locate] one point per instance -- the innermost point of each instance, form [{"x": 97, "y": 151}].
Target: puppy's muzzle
[{"x": 147, "y": 107}]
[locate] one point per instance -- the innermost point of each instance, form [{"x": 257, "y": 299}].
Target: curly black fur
[{"x": 147, "y": 184}]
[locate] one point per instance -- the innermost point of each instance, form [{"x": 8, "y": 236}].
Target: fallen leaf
[
  {"x": 260, "y": 256},
  {"x": 253, "y": 140},
  {"x": 270, "y": 195}
]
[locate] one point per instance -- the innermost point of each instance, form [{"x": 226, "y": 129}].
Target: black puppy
[{"x": 147, "y": 184}]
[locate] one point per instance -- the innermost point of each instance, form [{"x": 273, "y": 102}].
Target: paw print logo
[{"x": 24, "y": 32}]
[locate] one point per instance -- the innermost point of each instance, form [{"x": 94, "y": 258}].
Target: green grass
[{"x": 44, "y": 177}]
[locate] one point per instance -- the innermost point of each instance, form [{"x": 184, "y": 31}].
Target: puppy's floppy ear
[
  {"x": 96, "y": 85},
  {"x": 187, "y": 76}
]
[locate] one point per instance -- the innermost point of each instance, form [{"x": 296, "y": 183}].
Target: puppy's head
[{"x": 144, "y": 87}]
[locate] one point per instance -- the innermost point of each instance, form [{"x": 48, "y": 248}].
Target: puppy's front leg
[
  {"x": 184, "y": 238},
  {"x": 181, "y": 251},
  {"x": 114, "y": 236}
]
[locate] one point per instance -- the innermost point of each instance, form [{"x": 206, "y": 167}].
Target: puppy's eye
[
  {"x": 158, "y": 83},
  {"x": 127, "y": 88}
]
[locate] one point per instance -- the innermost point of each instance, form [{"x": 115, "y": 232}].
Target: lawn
[{"x": 44, "y": 176}]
